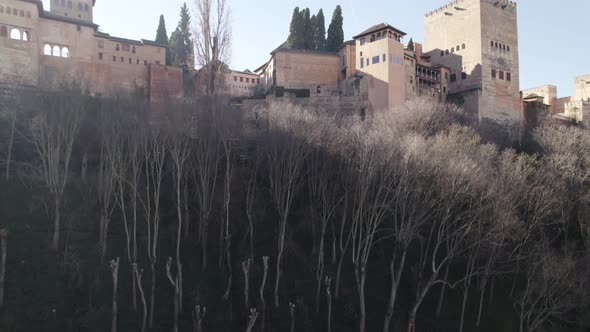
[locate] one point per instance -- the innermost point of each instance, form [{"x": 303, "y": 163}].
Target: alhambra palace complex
[{"x": 470, "y": 55}]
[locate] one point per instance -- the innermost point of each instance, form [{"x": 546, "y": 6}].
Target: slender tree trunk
[
  {"x": 360, "y": 274},
  {"x": 3, "y": 244},
  {"x": 84, "y": 167},
  {"x": 138, "y": 276},
  {"x": 178, "y": 235},
  {"x": 204, "y": 236},
  {"x": 10, "y": 144},
  {"x": 251, "y": 226},
  {"x": 320, "y": 269},
  {"x": 261, "y": 291},
  {"x": 246, "y": 268},
  {"x": 292, "y": 313},
  {"x": 56, "y": 225},
  {"x": 338, "y": 272},
  {"x": 442, "y": 294},
  {"x": 186, "y": 211},
  {"x": 115, "y": 272},
  {"x": 229, "y": 267},
  {"x": 420, "y": 295},
  {"x": 484, "y": 284},
  {"x": 252, "y": 319},
  {"x": 281, "y": 247},
  {"x": 395, "y": 280},
  {"x": 153, "y": 293},
  {"x": 329, "y": 300}
]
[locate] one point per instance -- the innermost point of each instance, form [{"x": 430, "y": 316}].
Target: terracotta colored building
[{"x": 44, "y": 48}]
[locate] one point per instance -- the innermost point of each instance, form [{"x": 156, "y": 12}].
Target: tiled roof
[{"x": 377, "y": 28}]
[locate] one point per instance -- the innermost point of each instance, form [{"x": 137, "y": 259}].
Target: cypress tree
[
  {"x": 307, "y": 30},
  {"x": 294, "y": 33},
  {"x": 162, "y": 38},
  {"x": 411, "y": 45},
  {"x": 181, "y": 42},
  {"x": 319, "y": 35},
  {"x": 335, "y": 31}
]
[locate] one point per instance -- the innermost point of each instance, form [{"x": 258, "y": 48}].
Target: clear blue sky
[{"x": 553, "y": 34}]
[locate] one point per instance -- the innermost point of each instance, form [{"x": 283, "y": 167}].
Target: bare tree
[
  {"x": 372, "y": 198},
  {"x": 3, "y": 240},
  {"x": 212, "y": 40},
  {"x": 286, "y": 152},
  {"x": 180, "y": 153},
  {"x": 54, "y": 132},
  {"x": 205, "y": 171},
  {"x": 110, "y": 157},
  {"x": 411, "y": 208},
  {"x": 175, "y": 281},
  {"x": 328, "y": 284},
  {"x": 292, "y": 314},
  {"x": 137, "y": 275},
  {"x": 154, "y": 154},
  {"x": 114, "y": 264},
  {"x": 10, "y": 108},
  {"x": 551, "y": 290},
  {"x": 250, "y": 200}
]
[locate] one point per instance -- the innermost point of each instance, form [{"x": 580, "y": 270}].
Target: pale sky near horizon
[{"x": 550, "y": 53}]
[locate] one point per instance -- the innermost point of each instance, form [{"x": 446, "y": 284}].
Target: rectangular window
[
  {"x": 343, "y": 61},
  {"x": 241, "y": 79},
  {"x": 368, "y": 62},
  {"x": 114, "y": 58},
  {"x": 235, "y": 78},
  {"x": 363, "y": 40},
  {"x": 375, "y": 59},
  {"x": 145, "y": 62},
  {"x": 99, "y": 56},
  {"x": 362, "y": 63},
  {"x": 453, "y": 77},
  {"x": 508, "y": 77},
  {"x": 122, "y": 59},
  {"x": 130, "y": 61},
  {"x": 501, "y": 75},
  {"x": 384, "y": 58},
  {"x": 137, "y": 61},
  {"x": 101, "y": 44},
  {"x": 463, "y": 75},
  {"x": 493, "y": 73},
  {"x": 247, "y": 80}
]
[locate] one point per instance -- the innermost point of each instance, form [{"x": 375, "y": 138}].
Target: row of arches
[
  {"x": 56, "y": 51},
  {"x": 15, "y": 33},
  {"x": 15, "y": 11},
  {"x": 453, "y": 49}
]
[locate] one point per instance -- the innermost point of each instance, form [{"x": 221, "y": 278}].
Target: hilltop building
[
  {"x": 574, "y": 108},
  {"x": 42, "y": 48}
]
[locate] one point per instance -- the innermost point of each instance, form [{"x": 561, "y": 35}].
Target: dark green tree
[
  {"x": 335, "y": 31},
  {"x": 296, "y": 30},
  {"x": 411, "y": 45},
  {"x": 181, "y": 42},
  {"x": 307, "y": 30},
  {"x": 319, "y": 33},
  {"x": 162, "y": 38}
]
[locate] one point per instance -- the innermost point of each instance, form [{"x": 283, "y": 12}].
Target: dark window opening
[
  {"x": 493, "y": 73},
  {"x": 501, "y": 75},
  {"x": 133, "y": 50},
  {"x": 508, "y": 77},
  {"x": 362, "y": 63},
  {"x": 117, "y": 48},
  {"x": 114, "y": 58},
  {"x": 375, "y": 59},
  {"x": 130, "y": 61},
  {"x": 463, "y": 46},
  {"x": 463, "y": 75},
  {"x": 122, "y": 59},
  {"x": 453, "y": 77},
  {"x": 3, "y": 31},
  {"x": 99, "y": 56}
]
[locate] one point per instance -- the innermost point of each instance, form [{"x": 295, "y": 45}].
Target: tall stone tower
[
  {"x": 478, "y": 41},
  {"x": 75, "y": 9}
]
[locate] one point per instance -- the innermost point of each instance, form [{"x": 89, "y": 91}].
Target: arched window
[
  {"x": 26, "y": 36},
  {"x": 133, "y": 50},
  {"x": 3, "y": 31},
  {"x": 22, "y": 13},
  {"x": 452, "y": 50},
  {"x": 117, "y": 48},
  {"x": 86, "y": 8},
  {"x": 15, "y": 34},
  {"x": 14, "y": 11},
  {"x": 47, "y": 49},
  {"x": 65, "y": 52},
  {"x": 446, "y": 51},
  {"x": 442, "y": 53},
  {"x": 458, "y": 48},
  {"x": 56, "y": 51},
  {"x": 463, "y": 46},
  {"x": 492, "y": 43}
]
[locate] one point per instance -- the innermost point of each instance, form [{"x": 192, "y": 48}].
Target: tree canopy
[
  {"x": 181, "y": 42},
  {"x": 309, "y": 31},
  {"x": 335, "y": 31},
  {"x": 162, "y": 38}
]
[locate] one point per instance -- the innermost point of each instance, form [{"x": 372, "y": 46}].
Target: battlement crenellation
[{"x": 452, "y": 5}]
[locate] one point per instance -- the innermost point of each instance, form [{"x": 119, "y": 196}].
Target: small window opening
[{"x": 47, "y": 49}]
